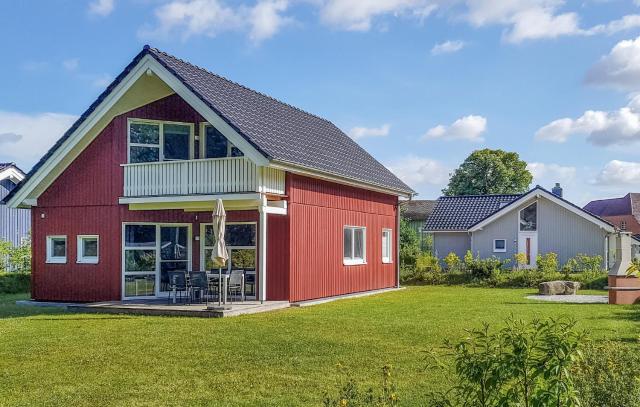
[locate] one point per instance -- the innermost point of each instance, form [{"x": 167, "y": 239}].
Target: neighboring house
[
  {"x": 623, "y": 212},
  {"x": 126, "y": 194},
  {"x": 14, "y": 223},
  {"x": 533, "y": 223},
  {"x": 416, "y": 212}
]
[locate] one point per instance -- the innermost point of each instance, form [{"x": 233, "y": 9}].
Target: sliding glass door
[{"x": 150, "y": 251}]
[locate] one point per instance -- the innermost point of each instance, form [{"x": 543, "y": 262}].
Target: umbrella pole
[{"x": 219, "y": 286}]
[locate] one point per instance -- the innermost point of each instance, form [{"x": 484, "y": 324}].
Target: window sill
[
  {"x": 56, "y": 261},
  {"x": 87, "y": 261},
  {"x": 353, "y": 262},
  {"x": 387, "y": 262},
  {"x": 499, "y": 251}
]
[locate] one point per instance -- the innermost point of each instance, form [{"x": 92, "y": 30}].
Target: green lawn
[{"x": 283, "y": 358}]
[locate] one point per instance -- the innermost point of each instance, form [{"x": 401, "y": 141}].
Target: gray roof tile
[
  {"x": 418, "y": 209},
  {"x": 462, "y": 212}
]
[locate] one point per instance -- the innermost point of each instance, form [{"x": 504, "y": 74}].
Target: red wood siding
[
  {"x": 278, "y": 257},
  {"x": 318, "y": 212}
]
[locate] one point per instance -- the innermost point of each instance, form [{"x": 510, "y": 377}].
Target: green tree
[
  {"x": 490, "y": 172},
  {"x": 409, "y": 244}
]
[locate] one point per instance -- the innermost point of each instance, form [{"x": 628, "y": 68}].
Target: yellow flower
[{"x": 344, "y": 403}]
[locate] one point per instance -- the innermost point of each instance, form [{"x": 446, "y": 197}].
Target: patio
[{"x": 161, "y": 307}]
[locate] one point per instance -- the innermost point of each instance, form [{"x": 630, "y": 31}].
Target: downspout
[{"x": 398, "y": 244}]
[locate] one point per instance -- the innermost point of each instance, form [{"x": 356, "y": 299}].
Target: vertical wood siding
[
  {"x": 318, "y": 212},
  {"x": 15, "y": 224}
]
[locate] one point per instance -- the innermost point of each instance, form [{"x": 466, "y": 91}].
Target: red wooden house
[{"x": 127, "y": 193}]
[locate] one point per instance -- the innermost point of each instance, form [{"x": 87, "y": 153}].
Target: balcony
[{"x": 200, "y": 177}]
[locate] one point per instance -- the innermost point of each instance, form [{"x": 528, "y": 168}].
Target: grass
[{"x": 283, "y": 358}]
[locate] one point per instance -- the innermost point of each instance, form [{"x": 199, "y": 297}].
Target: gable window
[
  {"x": 88, "y": 249},
  {"x": 354, "y": 245},
  {"x": 56, "y": 249},
  {"x": 386, "y": 245},
  {"x": 151, "y": 141},
  {"x": 529, "y": 218},
  {"x": 499, "y": 245},
  {"x": 216, "y": 144}
]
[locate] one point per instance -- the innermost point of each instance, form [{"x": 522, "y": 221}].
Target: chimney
[{"x": 557, "y": 190}]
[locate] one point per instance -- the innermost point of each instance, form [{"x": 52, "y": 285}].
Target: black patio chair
[
  {"x": 199, "y": 285},
  {"x": 177, "y": 285}
]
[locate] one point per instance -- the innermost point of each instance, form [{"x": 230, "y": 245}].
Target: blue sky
[{"x": 418, "y": 83}]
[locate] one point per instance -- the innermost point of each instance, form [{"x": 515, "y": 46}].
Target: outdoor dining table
[{"x": 213, "y": 277}]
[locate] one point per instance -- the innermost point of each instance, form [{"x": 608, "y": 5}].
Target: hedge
[{"x": 13, "y": 283}]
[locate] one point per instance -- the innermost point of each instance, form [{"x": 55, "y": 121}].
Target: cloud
[
  {"x": 358, "y": 15},
  {"x": 419, "y": 171},
  {"x": 71, "y": 64},
  {"x": 101, "y": 81},
  {"x": 618, "y": 127},
  {"x": 619, "y": 173},
  {"x": 101, "y": 8},
  {"x": 548, "y": 174},
  {"x": 212, "y": 17},
  {"x": 447, "y": 47},
  {"x": 26, "y": 137},
  {"x": 363, "y": 132},
  {"x": 620, "y": 68},
  {"x": 468, "y": 128}
]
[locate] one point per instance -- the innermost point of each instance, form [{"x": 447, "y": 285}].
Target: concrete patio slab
[
  {"x": 572, "y": 299},
  {"x": 309, "y": 303}
]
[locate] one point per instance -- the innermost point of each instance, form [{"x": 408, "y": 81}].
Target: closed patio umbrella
[{"x": 219, "y": 255}]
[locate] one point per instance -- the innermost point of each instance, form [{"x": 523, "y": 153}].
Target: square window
[
  {"x": 176, "y": 141},
  {"x": 88, "y": 249},
  {"x": 499, "y": 246},
  {"x": 56, "y": 249},
  {"x": 354, "y": 245}
]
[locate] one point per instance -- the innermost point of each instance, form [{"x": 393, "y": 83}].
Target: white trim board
[
  {"x": 537, "y": 193},
  {"x": 12, "y": 173}
]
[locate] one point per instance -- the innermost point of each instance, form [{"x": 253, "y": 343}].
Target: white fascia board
[
  {"x": 536, "y": 193},
  {"x": 12, "y": 174},
  {"x": 189, "y": 198},
  {"x": 340, "y": 179},
  {"x": 205, "y": 111},
  {"x": 146, "y": 63}
]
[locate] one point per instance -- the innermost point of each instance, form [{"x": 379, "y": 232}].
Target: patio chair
[
  {"x": 236, "y": 284},
  {"x": 177, "y": 284},
  {"x": 199, "y": 285}
]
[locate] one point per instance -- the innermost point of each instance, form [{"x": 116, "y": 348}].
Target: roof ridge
[
  {"x": 478, "y": 196},
  {"x": 241, "y": 85}
]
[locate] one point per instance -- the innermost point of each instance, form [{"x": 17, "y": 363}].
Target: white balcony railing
[{"x": 204, "y": 176}]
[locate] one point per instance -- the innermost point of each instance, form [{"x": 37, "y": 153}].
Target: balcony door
[{"x": 149, "y": 252}]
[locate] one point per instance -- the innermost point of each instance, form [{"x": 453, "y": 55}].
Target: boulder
[{"x": 559, "y": 288}]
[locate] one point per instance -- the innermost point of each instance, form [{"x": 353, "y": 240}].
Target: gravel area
[{"x": 573, "y": 299}]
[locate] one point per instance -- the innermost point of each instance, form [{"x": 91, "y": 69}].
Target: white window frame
[
  {"x": 204, "y": 247},
  {"x": 203, "y": 142},
  {"x": 389, "y": 248},
  {"x": 519, "y": 218},
  {"x": 496, "y": 250},
  {"x": 352, "y": 261},
  {"x": 87, "y": 259},
  {"x": 160, "y": 124},
  {"x": 51, "y": 259}
]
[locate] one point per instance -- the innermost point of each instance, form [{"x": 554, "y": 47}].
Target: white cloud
[
  {"x": 363, "y": 132},
  {"x": 470, "y": 128},
  {"x": 548, "y": 174},
  {"x": 619, "y": 173},
  {"x": 101, "y": 8},
  {"x": 358, "y": 15},
  {"x": 25, "y": 138},
  {"x": 419, "y": 171},
  {"x": 620, "y": 68},
  {"x": 618, "y": 127},
  {"x": 447, "y": 47},
  {"x": 71, "y": 64},
  {"x": 188, "y": 18},
  {"x": 102, "y": 81}
]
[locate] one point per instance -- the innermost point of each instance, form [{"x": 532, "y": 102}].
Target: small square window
[
  {"x": 88, "y": 249},
  {"x": 56, "y": 249},
  {"x": 499, "y": 246},
  {"x": 354, "y": 244}
]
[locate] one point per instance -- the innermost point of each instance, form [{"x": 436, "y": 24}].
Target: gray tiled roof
[
  {"x": 462, "y": 212},
  {"x": 281, "y": 131},
  {"x": 418, "y": 209}
]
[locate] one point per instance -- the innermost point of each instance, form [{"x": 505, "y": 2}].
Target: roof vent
[{"x": 557, "y": 190}]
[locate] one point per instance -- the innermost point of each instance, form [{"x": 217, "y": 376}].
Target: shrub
[
  {"x": 409, "y": 244},
  {"x": 525, "y": 364},
  {"x": 609, "y": 375},
  {"x": 520, "y": 260},
  {"x": 547, "y": 263},
  {"x": 14, "y": 283},
  {"x": 583, "y": 263},
  {"x": 483, "y": 268},
  {"x": 350, "y": 394},
  {"x": 453, "y": 262},
  {"x": 15, "y": 258}
]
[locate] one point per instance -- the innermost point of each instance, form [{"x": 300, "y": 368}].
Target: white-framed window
[
  {"x": 153, "y": 141},
  {"x": 240, "y": 240},
  {"x": 386, "y": 245},
  {"x": 499, "y": 245},
  {"x": 57, "y": 249},
  {"x": 215, "y": 145},
  {"x": 355, "y": 247},
  {"x": 88, "y": 249}
]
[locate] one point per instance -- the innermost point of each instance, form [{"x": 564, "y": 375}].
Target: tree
[{"x": 490, "y": 172}]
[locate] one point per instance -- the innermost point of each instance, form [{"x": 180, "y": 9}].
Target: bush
[
  {"x": 14, "y": 283},
  {"x": 350, "y": 394},
  {"x": 409, "y": 244},
  {"x": 583, "y": 264},
  {"x": 15, "y": 258},
  {"x": 609, "y": 375},
  {"x": 483, "y": 268},
  {"x": 523, "y": 364},
  {"x": 547, "y": 263},
  {"x": 453, "y": 262}
]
